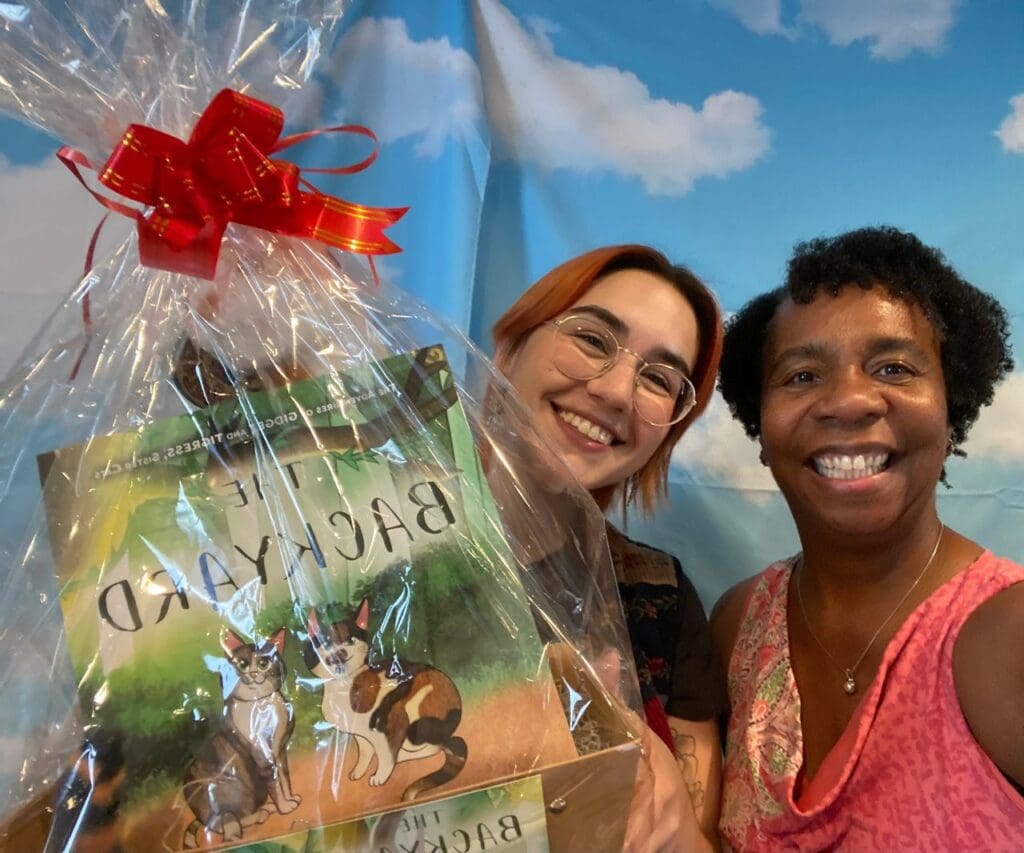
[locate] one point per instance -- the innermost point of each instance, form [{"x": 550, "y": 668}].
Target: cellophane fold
[{"x": 280, "y": 550}]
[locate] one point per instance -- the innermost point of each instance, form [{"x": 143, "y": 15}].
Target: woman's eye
[
  {"x": 800, "y": 377},
  {"x": 896, "y": 370},
  {"x": 591, "y": 340},
  {"x": 656, "y": 381}
]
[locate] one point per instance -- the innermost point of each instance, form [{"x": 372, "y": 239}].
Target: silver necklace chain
[{"x": 850, "y": 684}]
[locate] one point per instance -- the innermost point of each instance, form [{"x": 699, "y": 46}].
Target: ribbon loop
[{"x": 224, "y": 173}]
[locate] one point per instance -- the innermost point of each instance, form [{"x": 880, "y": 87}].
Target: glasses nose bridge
[
  {"x": 641, "y": 362},
  {"x": 619, "y": 378}
]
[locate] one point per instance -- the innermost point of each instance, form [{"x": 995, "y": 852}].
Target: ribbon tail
[
  {"x": 365, "y": 163},
  {"x": 353, "y": 227},
  {"x": 73, "y": 158}
]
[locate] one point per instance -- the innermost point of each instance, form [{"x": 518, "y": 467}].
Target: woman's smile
[
  {"x": 587, "y": 429},
  {"x": 592, "y": 425},
  {"x": 854, "y": 419},
  {"x": 852, "y": 465}
]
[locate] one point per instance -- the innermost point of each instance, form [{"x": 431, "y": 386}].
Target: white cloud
[
  {"x": 894, "y": 28},
  {"x": 1011, "y": 131},
  {"x": 997, "y": 434},
  {"x": 716, "y": 451},
  {"x": 763, "y": 17},
  {"x": 561, "y": 114},
  {"x": 48, "y": 220},
  {"x": 404, "y": 88}
]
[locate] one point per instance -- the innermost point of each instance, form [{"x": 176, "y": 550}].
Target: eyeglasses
[{"x": 585, "y": 348}]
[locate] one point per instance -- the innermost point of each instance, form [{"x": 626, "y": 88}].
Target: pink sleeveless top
[{"x": 906, "y": 774}]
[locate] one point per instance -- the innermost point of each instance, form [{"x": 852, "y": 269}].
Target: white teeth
[
  {"x": 836, "y": 466},
  {"x": 585, "y": 427}
]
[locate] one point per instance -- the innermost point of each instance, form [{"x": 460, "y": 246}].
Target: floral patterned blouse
[
  {"x": 907, "y": 774},
  {"x": 668, "y": 631}
]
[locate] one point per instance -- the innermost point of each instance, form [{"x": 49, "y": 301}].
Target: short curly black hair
[{"x": 972, "y": 326}]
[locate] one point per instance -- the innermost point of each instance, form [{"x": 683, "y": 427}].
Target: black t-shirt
[{"x": 668, "y": 631}]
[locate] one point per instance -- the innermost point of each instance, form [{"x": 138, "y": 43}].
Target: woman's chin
[
  {"x": 586, "y": 477},
  {"x": 592, "y": 465}
]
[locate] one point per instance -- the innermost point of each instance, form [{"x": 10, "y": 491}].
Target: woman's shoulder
[
  {"x": 618, "y": 539},
  {"x": 1001, "y": 567},
  {"x": 638, "y": 563},
  {"x": 988, "y": 669},
  {"x": 727, "y": 614}
]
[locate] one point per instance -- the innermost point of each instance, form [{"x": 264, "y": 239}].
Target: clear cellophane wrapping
[{"x": 279, "y": 551}]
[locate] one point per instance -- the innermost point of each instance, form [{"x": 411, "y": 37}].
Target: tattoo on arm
[
  {"x": 699, "y": 758},
  {"x": 686, "y": 756}
]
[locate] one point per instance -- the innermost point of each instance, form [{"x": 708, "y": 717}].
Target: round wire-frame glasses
[{"x": 585, "y": 348}]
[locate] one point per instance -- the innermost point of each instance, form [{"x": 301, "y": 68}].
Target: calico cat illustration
[
  {"x": 407, "y": 713},
  {"x": 241, "y": 772},
  {"x": 86, "y": 809}
]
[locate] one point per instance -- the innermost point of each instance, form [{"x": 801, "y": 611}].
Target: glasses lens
[
  {"x": 586, "y": 348},
  {"x": 663, "y": 395},
  {"x": 583, "y": 348}
]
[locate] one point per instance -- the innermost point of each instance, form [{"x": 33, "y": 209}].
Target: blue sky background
[{"x": 721, "y": 131}]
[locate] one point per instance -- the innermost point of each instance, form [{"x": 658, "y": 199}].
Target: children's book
[
  {"x": 509, "y": 817},
  {"x": 297, "y": 608}
]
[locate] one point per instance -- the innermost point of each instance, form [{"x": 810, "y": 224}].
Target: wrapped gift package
[{"x": 283, "y": 561}]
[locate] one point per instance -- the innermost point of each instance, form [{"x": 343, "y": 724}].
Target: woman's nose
[
  {"x": 616, "y": 385},
  {"x": 851, "y": 395}
]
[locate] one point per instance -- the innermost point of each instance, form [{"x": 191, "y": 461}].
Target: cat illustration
[
  {"x": 241, "y": 772},
  {"x": 406, "y": 713},
  {"x": 85, "y": 813}
]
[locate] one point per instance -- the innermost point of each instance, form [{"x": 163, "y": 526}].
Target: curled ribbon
[{"x": 224, "y": 174}]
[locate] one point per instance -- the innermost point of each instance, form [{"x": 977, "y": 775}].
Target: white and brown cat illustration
[
  {"x": 241, "y": 772},
  {"x": 406, "y": 713}
]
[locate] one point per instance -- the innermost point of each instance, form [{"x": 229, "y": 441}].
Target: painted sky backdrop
[{"x": 720, "y": 131}]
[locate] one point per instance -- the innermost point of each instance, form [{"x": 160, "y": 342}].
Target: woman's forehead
[
  {"x": 650, "y": 310},
  {"x": 854, "y": 316}
]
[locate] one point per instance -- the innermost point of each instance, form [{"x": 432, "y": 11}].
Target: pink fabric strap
[{"x": 905, "y": 775}]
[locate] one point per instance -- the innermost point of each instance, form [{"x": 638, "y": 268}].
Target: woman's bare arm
[
  {"x": 988, "y": 670},
  {"x": 699, "y": 756}
]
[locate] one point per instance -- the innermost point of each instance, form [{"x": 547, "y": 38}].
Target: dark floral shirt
[{"x": 668, "y": 631}]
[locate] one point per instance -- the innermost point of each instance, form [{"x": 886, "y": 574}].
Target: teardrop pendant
[{"x": 850, "y": 686}]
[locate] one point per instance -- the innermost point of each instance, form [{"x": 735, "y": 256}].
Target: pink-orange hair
[{"x": 555, "y": 292}]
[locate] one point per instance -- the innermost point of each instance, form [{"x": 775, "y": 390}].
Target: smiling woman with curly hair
[
  {"x": 875, "y": 679},
  {"x": 970, "y": 324}
]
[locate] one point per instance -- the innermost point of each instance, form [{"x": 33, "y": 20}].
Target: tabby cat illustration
[
  {"x": 407, "y": 713},
  {"x": 241, "y": 772}
]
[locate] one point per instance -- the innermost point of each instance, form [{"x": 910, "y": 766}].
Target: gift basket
[{"x": 282, "y": 561}]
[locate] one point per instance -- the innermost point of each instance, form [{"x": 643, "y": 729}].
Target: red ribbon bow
[{"x": 224, "y": 174}]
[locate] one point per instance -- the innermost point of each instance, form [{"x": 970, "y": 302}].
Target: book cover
[
  {"x": 508, "y": 817},
  {"x": 300, "y": 623}
]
